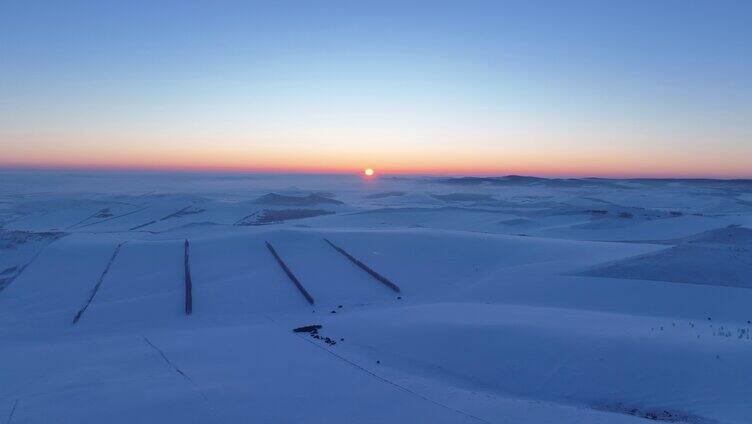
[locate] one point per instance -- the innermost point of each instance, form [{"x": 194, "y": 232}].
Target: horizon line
[{"x": 359, "y": 171}]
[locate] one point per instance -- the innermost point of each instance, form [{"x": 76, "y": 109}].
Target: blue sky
[{"x": 597, "y": 88}]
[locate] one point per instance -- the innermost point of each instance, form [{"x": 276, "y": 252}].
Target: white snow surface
[{"x": 521, "y": 300}]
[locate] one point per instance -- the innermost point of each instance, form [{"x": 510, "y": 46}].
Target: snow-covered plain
[{"x": 521, "y": 300}]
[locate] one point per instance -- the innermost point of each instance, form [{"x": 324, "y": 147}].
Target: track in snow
[
  {"x": 176, "y": 368},
  {"x": 12, "y": 412},
  {"x": 141, "y": 226},
  {"x": 87, "y": 218},
  {"x": 114, "y": 217}
]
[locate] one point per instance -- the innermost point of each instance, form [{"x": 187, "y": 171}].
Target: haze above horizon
[{"x": 586, "y": 88}]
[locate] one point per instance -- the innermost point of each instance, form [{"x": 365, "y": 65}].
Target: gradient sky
[{"x": 631, "y": 88}]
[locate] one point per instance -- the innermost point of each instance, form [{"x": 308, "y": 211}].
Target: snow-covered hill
[{"x": 494, "y": 300}]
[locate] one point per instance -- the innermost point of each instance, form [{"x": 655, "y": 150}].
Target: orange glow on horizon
[
  {"x": 403, "y": 160},
  {"x": 560, "y": 171}
]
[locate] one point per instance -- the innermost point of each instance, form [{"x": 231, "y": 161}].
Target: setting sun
[{"x": 368, "y": 172}]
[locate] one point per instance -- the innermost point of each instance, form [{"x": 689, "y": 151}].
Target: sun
[{"x": 368, "y": 172}]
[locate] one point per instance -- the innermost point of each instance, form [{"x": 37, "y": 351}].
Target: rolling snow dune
[
  {"x": 512, "y": 300},
  {"x": 716, "y": 257},
  {"x": 582, "y": 357}
]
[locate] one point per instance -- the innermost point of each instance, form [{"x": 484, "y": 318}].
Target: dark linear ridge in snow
[
  {"x": 94, "y": 291},
  {"x": 290, "y": 274},
  {"x": 187, "y": 276},
  {"x": 380, "y": 278}
]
